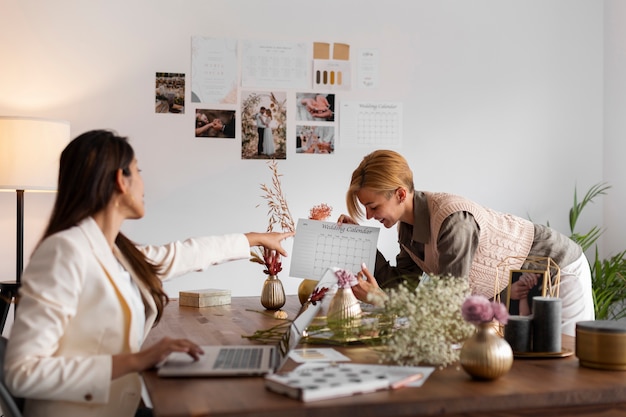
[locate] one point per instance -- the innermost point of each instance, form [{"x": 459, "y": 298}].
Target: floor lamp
[{"x": 29, "y": 161}]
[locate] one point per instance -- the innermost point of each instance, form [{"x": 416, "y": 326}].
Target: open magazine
[{"x": 322, "y": 381}]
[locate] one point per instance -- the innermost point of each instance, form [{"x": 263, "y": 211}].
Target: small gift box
[{"x": 204, "y": 298}]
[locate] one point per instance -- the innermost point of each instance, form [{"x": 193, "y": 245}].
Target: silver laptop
[{"x": 246, "y": 360}]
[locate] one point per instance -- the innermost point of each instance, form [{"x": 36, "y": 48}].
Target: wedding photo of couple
[{"x": 263, "y": 125}]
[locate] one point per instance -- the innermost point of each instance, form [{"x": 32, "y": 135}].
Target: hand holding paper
[{"x": 321, "y": 245}]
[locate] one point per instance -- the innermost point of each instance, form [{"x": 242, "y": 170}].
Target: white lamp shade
[{"x": 30, "y": 149}]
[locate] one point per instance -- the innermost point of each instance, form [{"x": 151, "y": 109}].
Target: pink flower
[
  {"x": 320, "y": 212},
  {"x": 273, "y": 265},
  {"x": 500, "y": 313},
  {"x": 318, "y": 295},
  {"x": 346, "y": 279},
  {"x": 478, "y": 309}
]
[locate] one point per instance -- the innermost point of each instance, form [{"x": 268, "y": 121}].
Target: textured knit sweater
[{"x": 501, "y": 236}]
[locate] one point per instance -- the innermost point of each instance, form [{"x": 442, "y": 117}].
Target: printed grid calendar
[
  {"x": 344, "y": 252},
  {"x": 371, "y": 124},
  {"x": 378, "y": 128},
  {"x": 322, "y": 245}
]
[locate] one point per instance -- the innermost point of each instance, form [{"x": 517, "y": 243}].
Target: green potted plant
[{"x": 608, "y": 276}]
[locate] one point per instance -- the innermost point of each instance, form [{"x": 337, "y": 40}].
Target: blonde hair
[{"x": 382, "y": 171}]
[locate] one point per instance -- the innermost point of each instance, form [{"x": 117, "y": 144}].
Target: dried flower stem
[
  {"x": 271, "y": 335},
  {"x": 278, "y": 212}
]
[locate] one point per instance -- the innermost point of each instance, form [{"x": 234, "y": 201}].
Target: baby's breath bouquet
[{"x": 430, "y": 321}]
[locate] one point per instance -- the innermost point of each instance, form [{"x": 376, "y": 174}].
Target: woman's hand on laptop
[{"x": 152, "y": 356}]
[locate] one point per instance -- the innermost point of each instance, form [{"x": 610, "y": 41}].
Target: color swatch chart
[{"x": 321, "y": 245}]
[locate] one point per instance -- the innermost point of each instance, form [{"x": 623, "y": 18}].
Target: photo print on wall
[
  {"x": 170, "y": 93},
  {"x": 315, "y": 139},
  {"x": 315, "y": 107},
  {"x": 214, "y": 123},
  {"x": 263, "y": 125}
]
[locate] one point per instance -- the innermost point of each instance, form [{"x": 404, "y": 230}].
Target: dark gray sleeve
[{"x": 457, "y": 243}]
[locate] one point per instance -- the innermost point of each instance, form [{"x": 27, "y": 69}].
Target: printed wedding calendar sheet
[{"x": 321, "y": 245}]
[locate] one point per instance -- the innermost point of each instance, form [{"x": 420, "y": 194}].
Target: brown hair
[
  {"x": 381, "y": 171},
  {"x": 87, "y": 182}
]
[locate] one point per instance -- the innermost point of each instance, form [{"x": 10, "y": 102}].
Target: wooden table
[{"x": 533, "y": 387}]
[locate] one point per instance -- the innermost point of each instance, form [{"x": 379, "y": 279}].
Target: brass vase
[
  {"x": 305, "y": 289},
  {"x": 344, "y": 310},
  {"x": 485, "y": 355},
  {"x": 273, "y": 293}
]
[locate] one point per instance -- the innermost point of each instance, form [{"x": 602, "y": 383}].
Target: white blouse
[{"x": 129, "y": 288}]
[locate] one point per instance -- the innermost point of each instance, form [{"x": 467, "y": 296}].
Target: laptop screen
[{"x": 305, "y": 316}]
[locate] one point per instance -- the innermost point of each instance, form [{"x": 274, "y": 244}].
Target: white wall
[
  {"x": 503, "y": 103},
  {"x": 615, "y": 126}
]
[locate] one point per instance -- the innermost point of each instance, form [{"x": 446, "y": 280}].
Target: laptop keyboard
[{"x": 238, "y": 358}]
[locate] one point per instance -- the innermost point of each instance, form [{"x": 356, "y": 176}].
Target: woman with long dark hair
[{"x": 90, "y": 295}]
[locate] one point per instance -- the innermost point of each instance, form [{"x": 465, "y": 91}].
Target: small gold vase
[
  {"x": 344, "y": 310},
  {"x": 305, "y": 289},
  {"x": 273, "y": 293},
  {"x": 485, "y": 355}
]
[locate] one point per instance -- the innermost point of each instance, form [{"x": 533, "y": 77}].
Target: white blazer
[{"x": 72, "y": 318}]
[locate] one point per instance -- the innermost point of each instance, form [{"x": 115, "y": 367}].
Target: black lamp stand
[
  {"x": 20, "y": 236},
  {"x": 9, "y": 289}
]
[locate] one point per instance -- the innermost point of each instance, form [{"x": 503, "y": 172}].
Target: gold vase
[
  {"x": 273, "y": 293},
  {"x": 485, "y": 355},
  {"x": 305, "y": 289},
  {"x": 344, "y": 310}
]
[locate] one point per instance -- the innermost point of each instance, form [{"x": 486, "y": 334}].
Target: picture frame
[{"x": 519, "y": 281}]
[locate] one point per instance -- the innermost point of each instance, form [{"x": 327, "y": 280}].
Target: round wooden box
[{"x": 601, "y": 344}]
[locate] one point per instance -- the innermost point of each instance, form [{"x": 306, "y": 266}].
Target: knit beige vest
[{"x": 501, "y": 236}]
